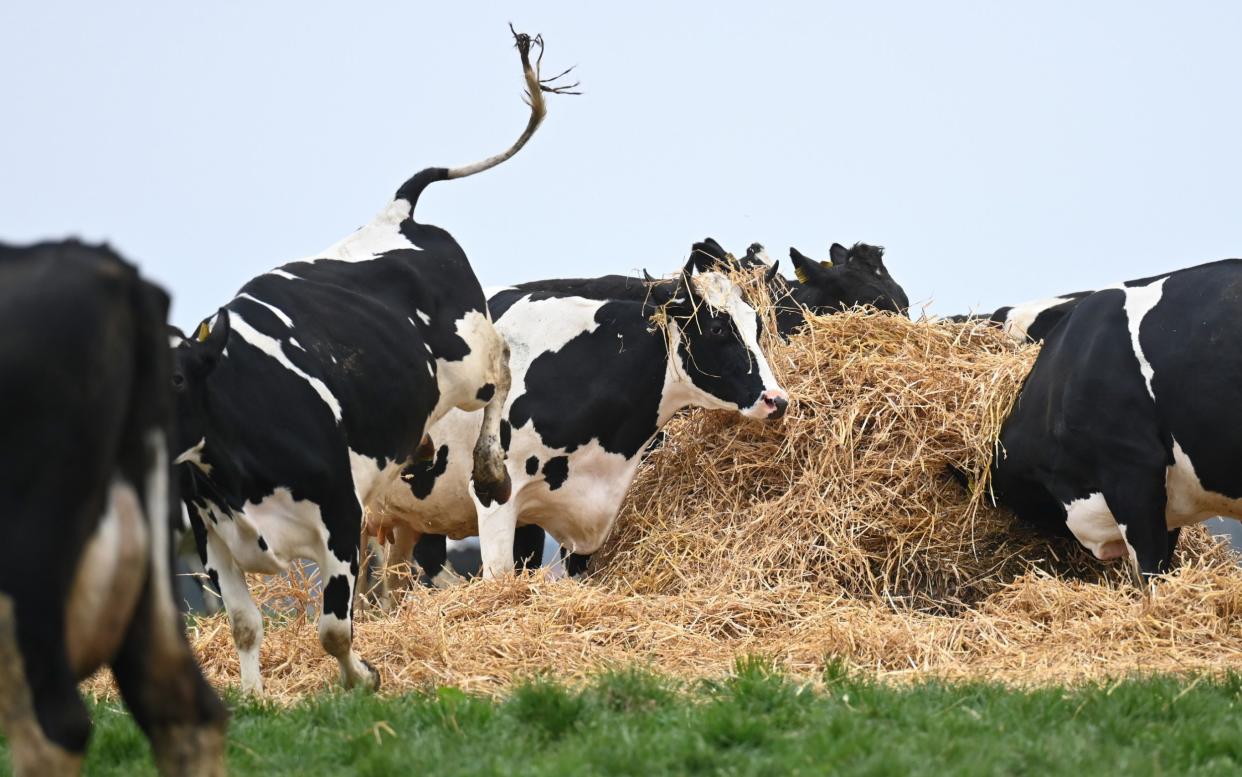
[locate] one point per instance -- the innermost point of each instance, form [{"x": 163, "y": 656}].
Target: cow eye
[
  {"x": 178, "y": 381},
  {"x": 716, "y": 328}
]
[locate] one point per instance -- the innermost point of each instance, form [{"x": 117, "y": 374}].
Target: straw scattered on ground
[{"x": 835, "y": 534}]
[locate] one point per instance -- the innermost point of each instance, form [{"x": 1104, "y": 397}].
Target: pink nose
[{"x": 775, "y": 401}]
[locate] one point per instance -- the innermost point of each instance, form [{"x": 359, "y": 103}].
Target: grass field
[{"x": 753, "y": 723}]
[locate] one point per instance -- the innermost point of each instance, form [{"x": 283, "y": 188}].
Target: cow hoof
[
  {"x": 372, "y": 683},
  {"x": 498, "y": 493}
]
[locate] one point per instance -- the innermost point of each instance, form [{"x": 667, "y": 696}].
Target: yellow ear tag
[
  {"x": 801, "y": 275},
  {"x": 826, "y": 263},
  {"x": 203, "y": 331}
]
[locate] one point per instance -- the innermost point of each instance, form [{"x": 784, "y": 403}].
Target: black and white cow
[
  {"x": 314, "y": 386},
  {"x": 821, "y": 287},
  {"x": 855, "y": 276},
  {"x": 1029, "y": 321},
  {"x": 593, "y": 382},
  {"x": 85, "y": 573},
  {"x": 1129, "y": 425}
]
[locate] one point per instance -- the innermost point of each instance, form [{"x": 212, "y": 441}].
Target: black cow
[
  {"x": 86, "y": 577},
  {"x": 593, "y": 382},
  {"x": 851, "y": 277},
  {"x": 1129, "y": 425},
  {"x": 1031, "y": 321},
  {"x": 317, "y": 383}
]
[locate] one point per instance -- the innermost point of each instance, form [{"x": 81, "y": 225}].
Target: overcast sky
[{"x": 1000, "y": 153}]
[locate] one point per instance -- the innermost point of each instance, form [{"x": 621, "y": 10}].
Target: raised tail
[{"x": 535, "y": 87}]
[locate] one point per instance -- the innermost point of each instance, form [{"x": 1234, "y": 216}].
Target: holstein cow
[
  {"x": 593, "y": 382},
  {"x": 1129, "y": 425},
  {"x": 87, "y": 508},
  {"x": 855, "y": 276},
  {"x": 859, "y": 277},
  {"x": 315, "y": 385},
  {"x": 1029, "y": 321}
]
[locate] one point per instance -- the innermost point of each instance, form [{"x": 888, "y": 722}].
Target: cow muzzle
[{"x": 774, "y": 402}]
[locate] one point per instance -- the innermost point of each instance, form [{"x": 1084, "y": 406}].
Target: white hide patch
[
  {"x": 194, "y": 455},
  {"x": 1188, "y": 501},
  {"x": 272, "y": 347},
  {"x": 1139, "y": 302},
  {"x": 382, "y": 234},
  {"x": 1020, "y": 317},
  {"x": 109, "y": 576},
  {"x": 556, "y": 320},
  {"x": 279, "y": 273},
  {"x": 426, "y": 319},
  {"x": 280, "y": 314},
  {"x": 1093, "y": 524}
]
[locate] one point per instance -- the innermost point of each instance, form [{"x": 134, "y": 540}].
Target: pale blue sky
[{"x": 1001, "y": 151}]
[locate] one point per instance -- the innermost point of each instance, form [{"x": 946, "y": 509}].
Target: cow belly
[
  {"x": 580, "y": 513},
  {"x": 267, "y": 535},
  {"x": 1188, "y": 501},
  {"x": 109, "y": 578},
  {"x": 435, "y": 502}
]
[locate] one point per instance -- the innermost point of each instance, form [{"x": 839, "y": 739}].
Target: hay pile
[{"x": 835, "y": 534}]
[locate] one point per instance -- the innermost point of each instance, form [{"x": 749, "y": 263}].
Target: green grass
[{"x": 753, "y": 723}]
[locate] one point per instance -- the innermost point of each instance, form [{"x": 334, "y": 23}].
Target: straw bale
[{"x": 834, "y": 534}]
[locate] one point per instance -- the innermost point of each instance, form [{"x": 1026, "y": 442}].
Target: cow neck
[{"x": 679, "y": 390}]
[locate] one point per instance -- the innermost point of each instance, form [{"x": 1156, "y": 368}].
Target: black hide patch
[
  {"x": 336, "y": 597},
  {"x": 532, "y": 465},
  {"x": 262, "y": 544},
  {"x": 421, "y": 476},
  {"x": 556, "y": 471},
  {"x": 506, "y": 434},
  {"x": 486, "y": 392},
  {"x": 604, "y": 385}
]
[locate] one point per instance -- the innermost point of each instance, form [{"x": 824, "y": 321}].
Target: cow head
[
  {"x": 853, "y": 276},
  {"x": 193, "y": 360},
  {"x": 715, "y": 337}
]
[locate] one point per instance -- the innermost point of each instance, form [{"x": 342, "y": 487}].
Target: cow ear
[
  {"x": 806, "y": 269},
  {"x": 209, "y": 342},
  {"x": 770, "y": 275},
  {"x": 838, "y": 253}
]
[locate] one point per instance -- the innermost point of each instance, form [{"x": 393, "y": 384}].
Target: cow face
[
  {"x": 854, "y": 276},
  {"x": 717, "y": 347},
  {"x": 193, "y": 360}
]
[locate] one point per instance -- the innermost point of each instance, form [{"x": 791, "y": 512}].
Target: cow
[
  {"x": 317, "y": 383},
  {"x": 593, "y": 382},
  {"x": 1029, "y": 322},
  {"x": 87, "y": 510},
  {"x": 822, "y": 288},
  {"x": 851, "y": 277},
  {"x": 854, "y": 276},
  {"x": 1128, "y": 426}
]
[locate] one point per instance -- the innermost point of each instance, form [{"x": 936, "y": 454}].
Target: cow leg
[
  {"x": 164, "y": 688},
  {"x": 1138, "y": 504},
  {"x": 338, "y": 569},
  {"x": 41, "y": 714},
  {"x": 1174, "y": 535},
  {"x": 397, "y": 572},
  {"x": 431, "y": 553},
  {"x": 245, "y": 620},
  {"x": 491, "y": 479},
  {"x": 496, "y": 530},
  {"x": 528, "y": 547},
  {"x": 575, "y": 563}
]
